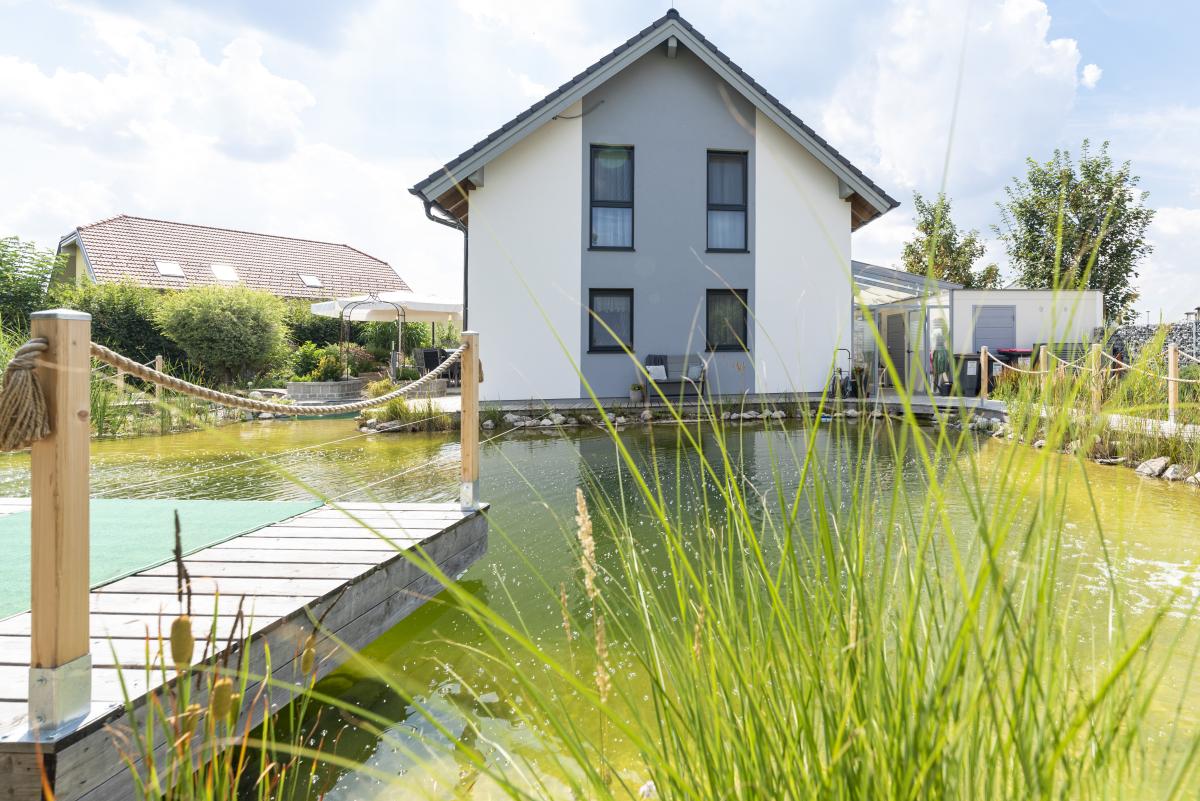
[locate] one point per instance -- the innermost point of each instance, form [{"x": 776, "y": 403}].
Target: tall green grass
[{"x": 846, "y": 635}]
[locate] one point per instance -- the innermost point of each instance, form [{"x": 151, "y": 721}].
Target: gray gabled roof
[{"x": 442, "y": 185}]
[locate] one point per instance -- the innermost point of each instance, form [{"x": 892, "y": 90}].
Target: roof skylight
[
  {"x": 311, "y": 281},
  {"x": 169, "y": 269},
  {"x": 224, "y": 272}
]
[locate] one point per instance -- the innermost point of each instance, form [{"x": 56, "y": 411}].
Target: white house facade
[{"x": 660, "y": 203}]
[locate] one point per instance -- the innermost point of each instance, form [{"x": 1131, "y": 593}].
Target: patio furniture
[
  {"x": 680, "y": 375},
  {"x": 430, "y": 358}
]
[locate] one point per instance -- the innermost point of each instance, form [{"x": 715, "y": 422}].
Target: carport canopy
[{"x": 875, "y": 285}]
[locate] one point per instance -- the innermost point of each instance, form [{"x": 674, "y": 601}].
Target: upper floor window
[
  {"x": 612, "y": 198},
  {"x": 726, "y": 201}
]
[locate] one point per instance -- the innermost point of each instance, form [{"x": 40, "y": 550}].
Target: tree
[
  {"x": 1102, "y": 217},
  {"x": 123, "y": 317},
  {"x": 941, "y": 251},
  {"x": 24, "y": 274},
  {"x": 231, "y": 332}
]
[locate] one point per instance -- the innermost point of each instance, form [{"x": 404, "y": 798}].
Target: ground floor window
[
  {"x": 610, "y": 312},
  {"x": 726, "y": 313}
]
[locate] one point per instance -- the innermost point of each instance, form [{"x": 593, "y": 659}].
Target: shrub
[
  {"x": 304, "y": 326},
  {"x": 123, "y": 317},
  {"x": 231, "y": 332},
  {"x": 377, "y": 336},
  {"x": 359, "y": 359},
  {"x": 380, "y": 388},
  {"x": 329, "y": 368},
  {"x": 409, "y": 373},
  {"x": 305, "y": 359}
]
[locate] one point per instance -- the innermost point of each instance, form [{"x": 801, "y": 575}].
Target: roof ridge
[
  {"x": 231, "y": 231},
  {"x": 671, "y": 14}
]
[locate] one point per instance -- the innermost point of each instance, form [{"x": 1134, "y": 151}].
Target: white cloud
[
  {"x": 1091, "y": 76},
  {"x": 894, "y": 110},
  {"x": 162, "y": 87},
  {"x": 164, "y": 131},
  {"x": 1170, "y": 278}
]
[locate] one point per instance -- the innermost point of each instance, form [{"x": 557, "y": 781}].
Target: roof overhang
[{"x": 449, "y": 186}]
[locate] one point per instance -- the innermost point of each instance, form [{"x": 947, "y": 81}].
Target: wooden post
[
  {"x": 469, "y": 421},
  {"x": 1172, "y": 381},
  {"x": 60, "y": 674},
  {"x": 983, "y": 373},
  {"x": 1044, "y": 367},
  {"x": 1097, "y": 378},
  {"x": 158, "y": 365}
]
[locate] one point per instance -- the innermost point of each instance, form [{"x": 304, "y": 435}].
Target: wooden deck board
[{"x": 318, "y": 563}]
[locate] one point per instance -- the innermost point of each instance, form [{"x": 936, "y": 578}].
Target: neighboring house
[
  {"x": 664, "y": 190},
  {"x": 171, "y": 255}
]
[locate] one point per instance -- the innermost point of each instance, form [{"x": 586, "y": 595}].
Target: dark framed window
[
  {"x": 612, "y": 198},
  {"x": 725, "y": 318},
  {"x": 615, "y": 308},
  {"x": 727, "y": 190}
]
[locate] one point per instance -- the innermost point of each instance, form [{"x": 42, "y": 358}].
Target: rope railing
[
  {"x": 1170, "y": 379},
  {"x": 1189, "y": 357},
  {"x": 130, "y": 367},
  {"x": 23, "y": 410},
  {"x": 1015, "y": 369},
  {"x": 1077, "y": 364}
]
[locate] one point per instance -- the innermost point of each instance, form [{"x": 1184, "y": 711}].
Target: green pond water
[{"x": 530, "y": 481}]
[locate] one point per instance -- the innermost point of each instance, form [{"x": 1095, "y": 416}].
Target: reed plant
[
  {"x": 135, "y": 409},
  {"x": 413, "y": 415}
]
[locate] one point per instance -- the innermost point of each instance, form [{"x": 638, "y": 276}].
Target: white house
[{"x": 665, "y": 193}]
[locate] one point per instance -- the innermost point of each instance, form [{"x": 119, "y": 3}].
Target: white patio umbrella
[{"x": 384, "y": 307}]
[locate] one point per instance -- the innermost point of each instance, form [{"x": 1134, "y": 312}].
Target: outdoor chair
[{"x": 429, "y": 359}]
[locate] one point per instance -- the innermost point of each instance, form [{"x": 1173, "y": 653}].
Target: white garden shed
[{"x": 968, "y": 319}]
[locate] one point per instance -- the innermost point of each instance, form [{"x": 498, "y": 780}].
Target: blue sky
[{"x": 312, "y": 119}]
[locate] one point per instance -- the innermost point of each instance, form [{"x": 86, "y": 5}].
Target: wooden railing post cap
[{"x": 60, "y": 314}]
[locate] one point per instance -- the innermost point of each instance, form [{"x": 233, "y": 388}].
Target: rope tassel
[{"x": 23, "y": 415}]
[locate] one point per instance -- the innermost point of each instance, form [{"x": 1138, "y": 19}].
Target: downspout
[{"x": 450, "y": 222}]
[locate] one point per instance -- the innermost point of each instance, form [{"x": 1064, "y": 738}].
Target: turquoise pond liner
[{"x": 131, "y": 535}]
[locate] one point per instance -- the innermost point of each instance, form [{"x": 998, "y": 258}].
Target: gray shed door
[
  {"x": 995, "y": 326},
  {"x": 894, "y": 338}
]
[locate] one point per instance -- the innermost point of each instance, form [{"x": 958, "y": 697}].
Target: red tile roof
[{"x": 128, "y": 248}]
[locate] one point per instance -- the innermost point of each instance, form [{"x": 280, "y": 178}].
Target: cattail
[
  {"x": 183, "y": 643},
  {"x": 566, "y": 617},
  {"x": 308, "y": 658},
  {"x": 189, "y": 719},
  {"x": 587, "y": 542},
  {"x": 220, "y": 701},
  {"x": 603, "y": 681}
]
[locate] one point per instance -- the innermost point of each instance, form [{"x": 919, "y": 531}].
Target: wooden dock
[{"x": 326, "y": 562}]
